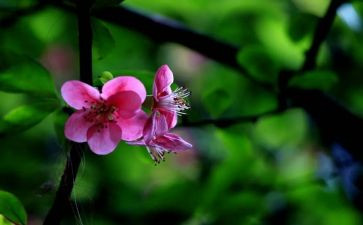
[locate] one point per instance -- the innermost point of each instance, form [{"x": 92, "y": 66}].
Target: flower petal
[
  {"x": 156, "y": 125},
  {"x": 133, "y": 127},
  {"x": 76, "y": 127},
  {"x": 78, "y": 94},
  {"x": 104, "y": 140},
  {"x": 127, "y": 103},
  {"x": 163, "y": 79},
  {"x": 161, "y": 125},
  {"x": 171, "y": 117},
  {"x": 172, "y": 142},
  {"x": 123, "y": 83}
]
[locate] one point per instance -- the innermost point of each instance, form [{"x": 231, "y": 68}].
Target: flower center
[
  {"x": 175, "y": 101},
  {"x": 100, "y": 113}
]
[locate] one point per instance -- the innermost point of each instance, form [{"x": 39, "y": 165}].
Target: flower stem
[{"x": 62, "y": 199}]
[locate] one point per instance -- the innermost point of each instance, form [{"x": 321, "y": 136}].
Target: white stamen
[{"x": 175, "y": 101}]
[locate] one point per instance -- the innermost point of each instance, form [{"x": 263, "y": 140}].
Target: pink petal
[
  {"x": 124, "y": 83},
  {"x": 78, "y": 94},
  {"x": 156, "y": 125},
  {"x": 163, "y": 79},
  {"x": 127, "y": 103},
  {"x": 171, "y": 117},
  {"x": 161, "y": 125},
  {"x": 172, "y": 142},
  {"x": 149, "y": 129},
  {"x": 76, "y": 127},
  {"x": 103, "y": 141},
  {"x": 132, "y": 128}
]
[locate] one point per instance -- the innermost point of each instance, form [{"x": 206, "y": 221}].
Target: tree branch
[
  {"x": 335, "y": 122},
  {"x": 162, "y": 29},
  {"x": 85, "y": 40},
  {"x": 320, "y": 34},
  {"x": 62, "y": 199},
  {"x": 63, "y": 195}
]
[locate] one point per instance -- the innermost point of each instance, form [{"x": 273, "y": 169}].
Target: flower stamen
[
  {"x": 175, "y": 101},
  {"x": 100, "y": 112}
]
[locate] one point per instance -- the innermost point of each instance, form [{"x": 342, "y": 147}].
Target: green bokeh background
[{"x": 275, "y": 170}]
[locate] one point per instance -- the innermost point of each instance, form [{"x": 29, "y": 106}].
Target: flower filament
[{"x": 175, "y": 101}]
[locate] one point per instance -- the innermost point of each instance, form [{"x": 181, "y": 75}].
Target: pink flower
[
  {"x": 103, "y": 119},
  {"x": 167, "y": 102},
  {"x": 158, "y": 140}
]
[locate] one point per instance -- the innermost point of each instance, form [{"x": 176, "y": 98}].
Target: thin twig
[{"x": 63, "y": 195}]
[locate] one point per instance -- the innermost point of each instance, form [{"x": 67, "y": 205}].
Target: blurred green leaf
[
  {"x": 301, "y": 25},
  {"x": 4, "y": 221},
  {"x": 316, "y": 7},
  {"x": 325, "y": 202},
  {"x": 258, "y": 62},
  {"x": 25, "y": 43},
  {"x": 217, "y": 101},
  {"x": 20, "y": 74},
  {"x": 12, "y": 208},
  {"x": 322, "y": 80},
  {"x": 103, "y": 41},
  {"x": 48, "y": 24},
  {"x": 284, "y": 130},
  {"x": 26, "y": 116},
  {"x": 273, "y": 36}
]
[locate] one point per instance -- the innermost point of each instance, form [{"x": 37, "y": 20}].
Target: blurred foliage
[
  {"x": 22, "y": 75},
  {"x": 323, "y": 80},
  {"x": 103, "y": 41},
  {"x": 11, "y": 208},
  {"x": 263, "y": 172}
]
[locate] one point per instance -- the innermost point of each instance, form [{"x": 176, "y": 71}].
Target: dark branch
[
  {"x": 165, "y": 30},
  {"x": 336, "y": 123},
  {"x": 85, "y": 41},
  {"x": 162, "y": 29},
  {"x": 226, "y": 122},
  {"x": 320, "y": 34},
  {"x": 62, "y": 200},
  {"x": 63, "y": 195}
]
